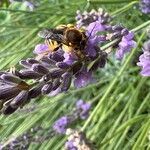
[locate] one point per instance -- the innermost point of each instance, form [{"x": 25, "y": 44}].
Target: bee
[{"x": 68, "y": 37}]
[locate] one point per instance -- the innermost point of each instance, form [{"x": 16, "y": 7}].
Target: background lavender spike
[
  {"x": 145, "y": 6},
  {"x": 81, "y": 111},
  {"x": 85, "y": 18}
]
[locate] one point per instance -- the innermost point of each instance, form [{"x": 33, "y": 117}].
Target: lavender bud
[
  {"x": 56, "y": 57},
  {"x": 48, "y": 61},
  {"x": 25, "y": 64},
  {"x": 62, "y": 65},
  {"x": 7, "y": 110},
  {"x": 40, "y": 69},
  {"x": 76, "y": 67},
  {"x": 124, "y": 32},
  {"x": 47, "y": 88},
  {"x": 56, "y": 73},
  {"x": 8, "y": 92},
  {"x": 115, "y": 35},
  {"x": 32, "y": 61},
  {"x": 19, "y": 100},
  {"x": 66, "y": 82},
  {"x": 36, "y": 91},
  {"x": 117, "y": 28},
  {"x": 56, "y": 84},
  {"x": 10, "y": 79},
  {"x": 29, "y": 74}
]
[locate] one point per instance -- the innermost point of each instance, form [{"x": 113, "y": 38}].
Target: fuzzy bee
[{"x": 66, "y": 36}]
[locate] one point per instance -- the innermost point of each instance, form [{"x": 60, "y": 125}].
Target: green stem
[
  {"x": 123, "y": 9},
  {"x": 142, "y": 137},
  {"x": 141, "y": 26},
  {"x": 124, "y": 126},
  {"x": 110, "y": 1}
]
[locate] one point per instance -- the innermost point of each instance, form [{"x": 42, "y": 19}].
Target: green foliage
[{"x": 120, "y": 116}]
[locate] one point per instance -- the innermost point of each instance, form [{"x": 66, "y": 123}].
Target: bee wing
[
  {"x": 45, "y": 33},
  {"x": 52, "y": 34}
]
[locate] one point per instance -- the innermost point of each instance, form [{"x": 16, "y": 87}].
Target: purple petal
[
  {"x": 126, "y": 44},
  {"x": 69, "y": 58},
  {"x": 40, "y": 48},
  {"x": 83, "y": 78},
  {"x": 146, "y": 71},
  {"x": 95, "y": 27},
  {"x": 60, "y": 125},
  {"x": 129, "y": 36}
]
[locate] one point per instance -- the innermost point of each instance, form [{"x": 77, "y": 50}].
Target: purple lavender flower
[
  {"x": 93, "y": 38},
  {"x": 60, "y": 125},
  {"x": 41, "y": 48},
  {"x": 126, "y": 44},
  {"x": 83, "y": 78},
  {"x": 145, "y": 60},
  {"x": 145, "y": 6},
  {"x": 70, "y": 58},
  {"x": 92, "y": 48},
  {"x": 70, "y": 146},
  {"x": 94, "y": 28},
  {"x": 83, "y": 109}
]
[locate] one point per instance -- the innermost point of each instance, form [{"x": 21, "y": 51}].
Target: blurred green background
[{"x": 120, "y": 99}]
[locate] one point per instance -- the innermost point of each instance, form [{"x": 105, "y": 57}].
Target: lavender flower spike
[
  {"x": 144, "y": 60},
  {"x": 145, "y": 6}
]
